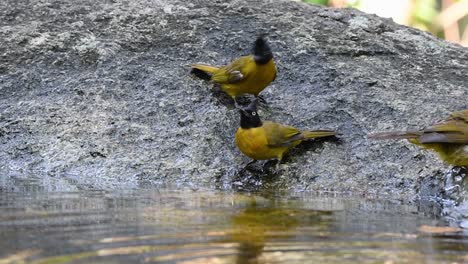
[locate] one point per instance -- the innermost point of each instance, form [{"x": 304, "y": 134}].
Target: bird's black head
[
  {"x": 249, "y": 116},
  {"x": 262, "y": 52}
]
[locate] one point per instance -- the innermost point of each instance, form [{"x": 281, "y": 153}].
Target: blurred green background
[{"x": 446, "y": 19}]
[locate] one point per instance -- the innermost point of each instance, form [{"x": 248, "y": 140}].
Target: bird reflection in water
[{"x": 260, "y": 224}]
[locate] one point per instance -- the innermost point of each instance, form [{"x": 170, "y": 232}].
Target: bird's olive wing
[
  {"x": 460, "y": 115},
  {"x": 280, "y": 135},
  {"x": 234, "y": 72},
  {"x": 451, "y": 130}
]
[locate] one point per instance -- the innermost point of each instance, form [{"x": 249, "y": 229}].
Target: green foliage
[
  {"x": 424, "y": 12},
  {"x": 317, "y": 2}
]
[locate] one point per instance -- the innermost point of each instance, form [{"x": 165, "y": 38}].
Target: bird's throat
[
  {"x": 263, "y": 58},
  {"x": 250, "y": 121}
]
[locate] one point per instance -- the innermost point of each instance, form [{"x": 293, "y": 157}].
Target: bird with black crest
[
  {"x": 246, "y": 75},
  {"x": 264, "y": 140}
]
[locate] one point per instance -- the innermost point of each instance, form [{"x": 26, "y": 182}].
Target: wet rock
[
  {"x": 464, "y": 224},
  {"x": 97, "y": 94}
]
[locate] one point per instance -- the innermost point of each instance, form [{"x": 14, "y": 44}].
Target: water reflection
[
  {"x": 213, "y": 227},
  {"x": 258, "y": 222}
]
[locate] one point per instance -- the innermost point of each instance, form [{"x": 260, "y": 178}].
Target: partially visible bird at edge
[{"x": 448, "y": 138}]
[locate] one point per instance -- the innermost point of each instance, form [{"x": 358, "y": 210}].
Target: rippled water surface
[{"x": 194, "y": 226}]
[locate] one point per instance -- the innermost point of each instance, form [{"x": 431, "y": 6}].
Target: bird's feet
[
  {"x": 271, "y": 167},
  {"x": 260, "y": 169},
  {"x": 249, "y": 165}
]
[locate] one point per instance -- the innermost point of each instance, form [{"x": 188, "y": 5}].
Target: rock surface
[{"x": 98, "y": 95}]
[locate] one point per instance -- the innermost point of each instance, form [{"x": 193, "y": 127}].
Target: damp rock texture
[{"x": 98, "y": 95}]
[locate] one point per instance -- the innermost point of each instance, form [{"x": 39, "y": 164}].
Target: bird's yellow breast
[
  {"x": 459, "y": 156},
  {"x": 253, "y": 143}
]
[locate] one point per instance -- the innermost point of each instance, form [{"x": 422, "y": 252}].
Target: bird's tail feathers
[
  {"x": 203, "y": 71},
  {"x": 395, "y": 135},
  {"x": 318, "y": 134}
]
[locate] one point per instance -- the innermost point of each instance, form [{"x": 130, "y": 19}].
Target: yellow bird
[
  {"x": 246, "y": 75},
  {"x": 448, "y": 138},
  {"x": 268, "y": 140}
]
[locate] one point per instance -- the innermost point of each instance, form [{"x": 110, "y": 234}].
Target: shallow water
[{"x": 202, "y": 226}]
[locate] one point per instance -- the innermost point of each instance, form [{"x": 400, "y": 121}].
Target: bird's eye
[{"x": 254, "y": 113}]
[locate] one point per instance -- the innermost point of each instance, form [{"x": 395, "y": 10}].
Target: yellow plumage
[
  {"x": 273, "y": 140},
  {"x": 245, "y": 75}
]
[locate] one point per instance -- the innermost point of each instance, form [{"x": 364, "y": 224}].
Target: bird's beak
[
  {"x": 253, "y": 105},
  {"x": 243, "y": 112}
]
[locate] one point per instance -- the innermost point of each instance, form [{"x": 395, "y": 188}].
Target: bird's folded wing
[
  {"x": 452, "y": 130},
  {"x": 232, "y": 73},
  {"x": 460, "y": 115},
  {"x": 280, "y": 135}
]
